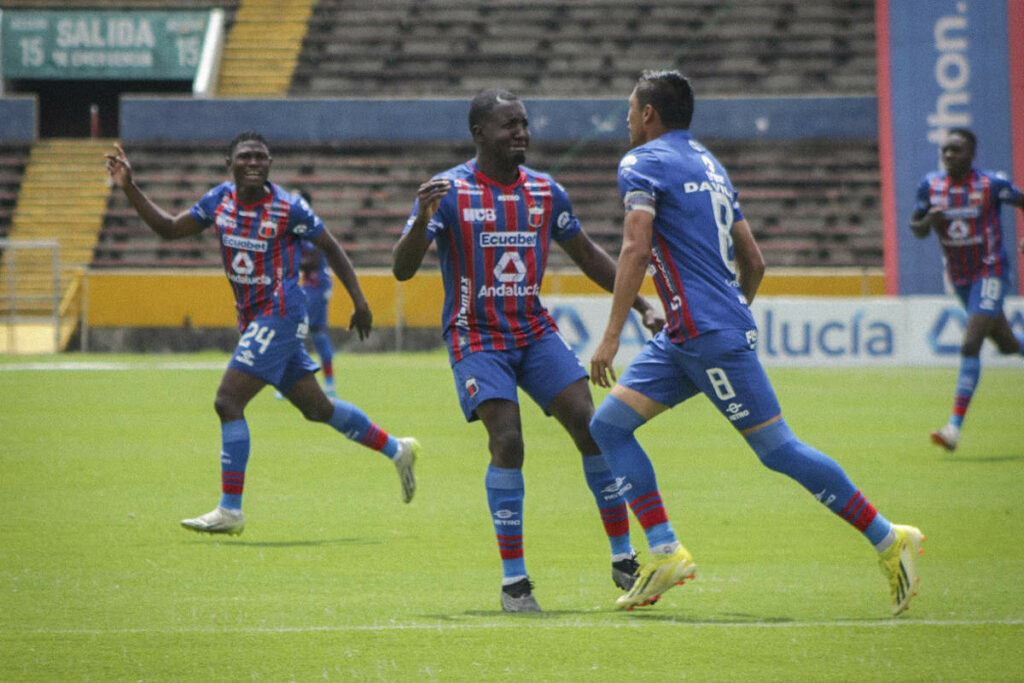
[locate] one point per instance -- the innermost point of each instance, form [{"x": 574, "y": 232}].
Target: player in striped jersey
[
  {"x": 492, "y": 220},
  {"x": 683, "y": 217},
  {"x": 261, "y": 227},
  {"x": 963, "y": 205}
]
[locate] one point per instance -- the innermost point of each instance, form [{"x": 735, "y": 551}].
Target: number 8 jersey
[{"x": 680, "y": 183}]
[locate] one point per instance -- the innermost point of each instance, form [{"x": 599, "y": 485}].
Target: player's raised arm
[
  {"x": 407, "y": 256},
  {"x": 338, "y": 260},
  {"x": 161, "y": 222}
]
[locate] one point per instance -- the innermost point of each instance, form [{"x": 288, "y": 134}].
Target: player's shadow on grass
[{"x": 983, "y": 459}]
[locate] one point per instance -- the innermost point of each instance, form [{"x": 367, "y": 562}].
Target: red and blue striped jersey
[
  {"x": 259, "y": 246},
  {"x": 492, "y": 242},
  {"x": 694, "y": 205},
  {"x": 972, "y": 239}
]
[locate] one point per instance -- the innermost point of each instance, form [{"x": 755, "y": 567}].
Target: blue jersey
[
  {"x": 972, "y": 239},
  {"x": 492, "y": 241},
  {"x": 318, "y": 278},
  {"x": 259, "y": 246},
  {"x": 694, "y": 205}
]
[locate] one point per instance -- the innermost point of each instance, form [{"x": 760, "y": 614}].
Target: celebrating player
[
  {"x": 493, "y": 220},
  {"x": 963, "y": 205},
  {"x": 682, "y": 216},
  {"x": 260, "y": 227}
]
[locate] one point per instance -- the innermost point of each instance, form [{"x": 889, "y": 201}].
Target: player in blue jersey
[
  {"x": 963, "y": 205},
  {"x": 261, "y": 227},
  {"x": 492, "y": 220},
  {"x": 317, "y": 284},
  {"x": 683, "y": 218}
]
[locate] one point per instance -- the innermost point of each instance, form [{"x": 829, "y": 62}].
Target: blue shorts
[
  {"x": 542, "y": 368},
  {"x": 984, "y": 296},
  {"x": 273, "y": 349},
  {"x": 316, "y": 307},
  {"x": 723, "y": 365}
]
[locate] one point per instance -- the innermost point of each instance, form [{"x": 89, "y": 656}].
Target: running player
[
  {"x": 682, "y": 217},
  {"x": 493, "y": 220},
  {"x": 963, "y": 205},
  {"x": 260, "y": 227}
]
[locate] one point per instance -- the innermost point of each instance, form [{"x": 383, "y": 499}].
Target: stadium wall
[
  {"x": 169, "y": 119},
  {"x": 19, "y": 119}
]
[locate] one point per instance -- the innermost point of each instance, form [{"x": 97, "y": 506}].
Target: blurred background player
[
  {"x": 317, "y": 284},
  {"x": 260, "y": 227},
  {"x": 963, "y": 205},
  {"x": 682, "y": 215},
  {"x": 493, "y": 221}
]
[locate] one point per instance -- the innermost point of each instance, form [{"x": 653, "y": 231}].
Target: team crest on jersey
[
  {"x": 268, "y": 229},
  {"x": 471, "y": 387},
  {"x": 536, "y": 216}
]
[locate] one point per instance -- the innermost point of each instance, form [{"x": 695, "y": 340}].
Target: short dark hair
[
  {"x": 966, "y": 134},
  {"x": 246, "y": 136},
  {"x": 671, "y": 95},
  {"x": 485, "y": 102}
]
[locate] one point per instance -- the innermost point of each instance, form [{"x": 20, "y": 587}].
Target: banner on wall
[
  {"x": 815, "y": 331},
  {"x": 943, "y": 64}
]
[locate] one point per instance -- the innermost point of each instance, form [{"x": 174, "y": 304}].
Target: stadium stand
[
  {"x": 13, "y": 157},
  {"x": 587, "y": 48},
  {"x": 809, "y": 203}
]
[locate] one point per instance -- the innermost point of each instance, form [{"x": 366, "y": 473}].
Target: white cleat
[
  {"x": 408, "y": 451},
  {"x": 947, "y": 437},
  {"x": 217, "y": 521}
]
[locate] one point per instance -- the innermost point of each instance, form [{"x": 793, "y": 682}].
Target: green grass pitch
[{"x": 335, "y": 579}]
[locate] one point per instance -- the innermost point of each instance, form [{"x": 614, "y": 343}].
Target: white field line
[{"x": 533, "y": 622}]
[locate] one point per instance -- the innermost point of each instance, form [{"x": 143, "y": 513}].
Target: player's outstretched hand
[
  {"x": 118, "y": 167},
  {"x": 652, "y": 321},
  {"x": 361, "y": 321},
  {"x": 602, "y": 373}
]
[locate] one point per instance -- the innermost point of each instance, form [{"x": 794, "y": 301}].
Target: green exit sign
[{"x": 126, "y": 45}]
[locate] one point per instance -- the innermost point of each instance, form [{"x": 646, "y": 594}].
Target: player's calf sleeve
[
  {"x": 354, "y": 424},
  {"x": 966, "y": 383},
  {"x": 780, "y": 450},
  {"x": 612, "y": 427},
  {"x": 505, "y": 493},
  {"x": 234, "y": 456},
  {"x": 614, "y": 515}
]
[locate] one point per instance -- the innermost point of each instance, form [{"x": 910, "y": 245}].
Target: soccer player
[
  {"x": 682, "y": 217},
  {"x": 316, "y": 283},
  {"x": 261, "y": 227},
  {"x": 492, "y": 220},
  {"x": 963, "y": 205}
]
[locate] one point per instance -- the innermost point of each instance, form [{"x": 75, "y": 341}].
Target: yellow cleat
[
  {"x": 656, "y": 576},
  {"x": 899, "y": 564}
]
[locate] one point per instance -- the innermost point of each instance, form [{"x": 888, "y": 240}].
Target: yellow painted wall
[{"x": 203, "y": 298}]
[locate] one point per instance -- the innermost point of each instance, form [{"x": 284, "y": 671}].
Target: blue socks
[
  {"x": 354, "y": 424},
  {"x": 966, "y": 383},
  {"x": 612, "y": 428},
  {"x": 780, "y": 450},
  {"x": 505, "y": 493},
  {"x": 234, "y": 456},
  {"x": 614, "y": 514}
]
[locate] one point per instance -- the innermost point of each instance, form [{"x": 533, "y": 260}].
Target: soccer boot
[
  {"x": 518, "y": 597},
  {"x": 218, "y": 521},
  {"x": 947, "y": 437},
  {"x": 624, "y": 572},
  {"x": 899, "y": 564},
  {"x": 408, "y": 451},
  {"x": 656, "y": 576}
]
